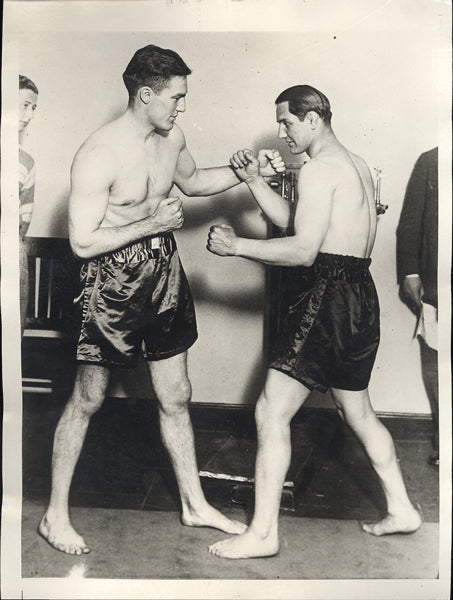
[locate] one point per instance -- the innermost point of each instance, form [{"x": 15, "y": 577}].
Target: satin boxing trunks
[
  {"x": 136, "y": 299},
  {"x": 330, "y": 330}
]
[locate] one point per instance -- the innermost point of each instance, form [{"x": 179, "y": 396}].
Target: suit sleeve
[{"x": 409, "y": 231}]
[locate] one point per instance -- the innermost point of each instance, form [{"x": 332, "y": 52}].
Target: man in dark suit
[{"x": 417, "y": 254}]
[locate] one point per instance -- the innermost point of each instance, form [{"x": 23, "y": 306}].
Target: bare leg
[
  {"x": 280, "y": 400},
  {"x": 87, "y": 397},
  {"x": 173, "y": 390},
  {"x": 377, "y": 441}
]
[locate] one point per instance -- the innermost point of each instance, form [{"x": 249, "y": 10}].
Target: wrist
[
  {"x": 254, "y": 180},
  {"x": 154, "y": 226},
  {"x": 237, "y": 247}
]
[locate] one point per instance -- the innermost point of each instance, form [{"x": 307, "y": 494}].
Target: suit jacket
[{"x": 416, "y": 235}]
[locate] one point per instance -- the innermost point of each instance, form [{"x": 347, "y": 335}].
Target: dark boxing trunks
[
  {"x": 135, "y": 299},
  {"x": 330, "y": 330}
]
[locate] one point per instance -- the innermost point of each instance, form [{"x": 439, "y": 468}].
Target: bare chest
[{"x": 144, "y": 176}]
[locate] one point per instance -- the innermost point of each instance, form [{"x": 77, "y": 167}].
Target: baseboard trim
[{"x": 249, "y": 408}]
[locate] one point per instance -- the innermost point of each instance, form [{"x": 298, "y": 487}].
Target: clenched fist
[
  {"x": 222, "y": 240},
  {"x": 168, "y": 215},
  {"x": 270, "y": 163},
  {"x": 247, "y": 166}
]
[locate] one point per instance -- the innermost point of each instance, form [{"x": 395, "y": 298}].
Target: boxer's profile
[
  {"x": 135, "y": 297},
  {"x": 330, "y": 331}
]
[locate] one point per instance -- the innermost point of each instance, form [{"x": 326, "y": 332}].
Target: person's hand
[
  {"x": 168, "y": 215},
  {"x": 412, "y": 292},
  {"x": 245, "y": 164},
  {"x": 222, "y": 240},
  {"x": 270, "y": 163}
]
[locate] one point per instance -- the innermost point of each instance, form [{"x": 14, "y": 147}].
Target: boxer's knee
[
  {"x": 89, "y": 389},
  {"x": 271, "y": 411},
  {"x": 175, "y": 397}
]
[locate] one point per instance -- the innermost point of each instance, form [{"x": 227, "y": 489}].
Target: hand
[
  {"x": 168, "y": 215},
  {"x": 412, "y": 292},
  {"x": 222, "y": 240},
  {"x": 245, "y": 164},
  {"x": 270, "y": 163}
]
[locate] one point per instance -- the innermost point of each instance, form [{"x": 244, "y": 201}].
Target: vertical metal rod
[
  {"x": 37, "y": 278},
  {"x": 377, "y": 196},
  {"x": 293, "y": 188},
  {"x": 283, "y": 190},
  {"x": 49, "y": 289}
]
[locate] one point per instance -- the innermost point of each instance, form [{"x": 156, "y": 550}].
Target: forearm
[
  {"x": 276, "y": 208},
  {"x": 87, "y": 245},
  {"x": 205, "y": 182},
  {"x": 284, "y": 252}
]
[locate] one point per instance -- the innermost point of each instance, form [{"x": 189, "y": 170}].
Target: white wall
[{"x": 383, "y": 89}]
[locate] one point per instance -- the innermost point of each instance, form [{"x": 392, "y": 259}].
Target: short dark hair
[
  {"x": 27, "y": 84},
  {"x": 154, "y": 67},
  {"x": 303, "y": 98}
]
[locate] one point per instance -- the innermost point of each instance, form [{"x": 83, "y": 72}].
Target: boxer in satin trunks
[
  {"x": 330, "y": 332},
  {"x": 136, "y": 299}
]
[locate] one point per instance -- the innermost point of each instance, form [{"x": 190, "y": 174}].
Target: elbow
[
  {"x": 305, "y": 258},
  {"x": 189, "y": 188},
  {"x": 190, "y": 192},
  {"x": 281, "y": 224},
  {"x": 309, "y": 260},
  {"x": 80, "y": 251}
]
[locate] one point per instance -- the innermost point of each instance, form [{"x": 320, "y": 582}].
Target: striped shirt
[{"x": 26, "y": 187}]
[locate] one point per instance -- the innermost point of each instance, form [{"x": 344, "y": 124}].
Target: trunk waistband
[
  {"x": 151, "y": 247},
  {"x": 338, "y": 266}
]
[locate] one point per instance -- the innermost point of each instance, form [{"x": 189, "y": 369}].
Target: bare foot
[
  {"x": 247, "y": 545},
  {"x": 62, "y": 536},
  {"x": 211, "y": 517},
  {"x": 407, "y": 522}
]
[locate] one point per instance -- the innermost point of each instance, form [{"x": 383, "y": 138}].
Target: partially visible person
[
  {"x": 417, "y": 252},
  {"x": 28, "y": 98},
  {"x": 331, "y": 328}
]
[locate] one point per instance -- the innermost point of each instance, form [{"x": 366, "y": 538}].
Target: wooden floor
[
  {"x": 124, "y": 501},
  {"x": 124, "y": 465}
]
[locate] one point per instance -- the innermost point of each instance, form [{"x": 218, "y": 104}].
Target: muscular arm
[
  {"x": 276, "y": 208},
  {"x": 248, "y": 168},
  {"x": 92, "y": 174},
  {"x": 311, "y": 225},
  {"x": 201, "y": 182}
]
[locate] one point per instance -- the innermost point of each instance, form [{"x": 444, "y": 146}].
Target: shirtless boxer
[
  {"x": 135, "y": 291},
  {"x": 331, "y": 330}
]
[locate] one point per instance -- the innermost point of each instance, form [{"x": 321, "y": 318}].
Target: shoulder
[
  {"x": 95, "y": 153},
  {"x": 429, "y": 158},
  {"x": 316, "y": 166},
  {"x": 316, "y": 171},
  {"x": 175, "y": 137},
  {"x": 362, "y": 168},
  {"x": 360, "y": 163}
]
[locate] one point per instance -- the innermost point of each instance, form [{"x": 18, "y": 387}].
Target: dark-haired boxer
[
  {"x": 330, "y": 333},
  {"x": 135, "y": 293}
]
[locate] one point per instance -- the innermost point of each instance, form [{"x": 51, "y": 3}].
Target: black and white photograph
[{"x": 268, "y": 414}]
